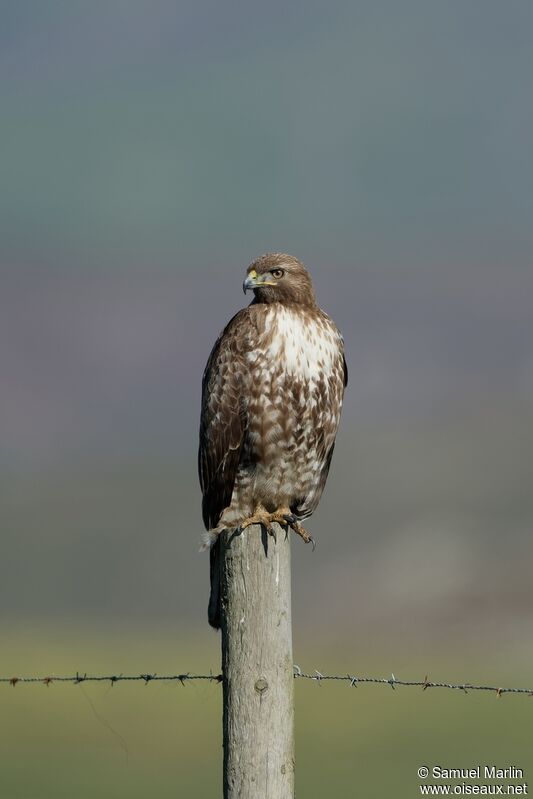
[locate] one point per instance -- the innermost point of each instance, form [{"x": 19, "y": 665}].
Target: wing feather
[
  {"x": 328, "y": 409},
  {"x": 223, "y": 421}
]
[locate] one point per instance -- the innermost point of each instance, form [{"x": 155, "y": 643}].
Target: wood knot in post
[{"x": 261, "y": 686}]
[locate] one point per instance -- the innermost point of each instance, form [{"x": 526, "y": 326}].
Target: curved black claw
[{"x": 271, "y": 531}]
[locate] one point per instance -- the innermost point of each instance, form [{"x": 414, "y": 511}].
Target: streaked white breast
[{"x": 306, "y": 349}]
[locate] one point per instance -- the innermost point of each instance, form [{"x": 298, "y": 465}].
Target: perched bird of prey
[{"x": 272, "y": 393}]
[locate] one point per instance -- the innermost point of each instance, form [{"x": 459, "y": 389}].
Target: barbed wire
[
  {"x": 114, "y": 678},
  {"x": 353, "y": 680}
]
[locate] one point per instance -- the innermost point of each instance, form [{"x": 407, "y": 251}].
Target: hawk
[{"x": 272, "y": 394}]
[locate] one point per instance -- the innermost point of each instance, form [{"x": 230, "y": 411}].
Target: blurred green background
[{"x": 150, "y": 151}]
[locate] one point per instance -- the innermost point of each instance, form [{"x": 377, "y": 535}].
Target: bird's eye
[{"x": 277, "y": 273}]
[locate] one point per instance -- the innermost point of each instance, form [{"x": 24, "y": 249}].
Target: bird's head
[{"x": 277, "y": 277}]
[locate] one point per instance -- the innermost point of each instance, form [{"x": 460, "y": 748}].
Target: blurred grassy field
[{"x": 164, "y": 740}]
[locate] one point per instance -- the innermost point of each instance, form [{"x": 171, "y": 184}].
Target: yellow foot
[{"x": 283, "y": 517}]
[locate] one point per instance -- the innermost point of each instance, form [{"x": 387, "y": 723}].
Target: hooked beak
[{"x": 255, "y": 281}]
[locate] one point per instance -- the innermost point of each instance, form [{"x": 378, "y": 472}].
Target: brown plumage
[{"x": 271, "y": 400}]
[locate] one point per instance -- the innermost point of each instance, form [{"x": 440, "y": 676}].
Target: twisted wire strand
[{"x": 352, "y": 680}]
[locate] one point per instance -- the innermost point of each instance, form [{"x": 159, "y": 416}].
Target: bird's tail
[{"x": 213, "y": 610}]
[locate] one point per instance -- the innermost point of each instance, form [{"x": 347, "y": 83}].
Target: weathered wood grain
[{"x": 257, "y": 664}]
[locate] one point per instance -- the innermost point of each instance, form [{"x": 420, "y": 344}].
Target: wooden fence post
[{"x": 257, "y": 665}]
